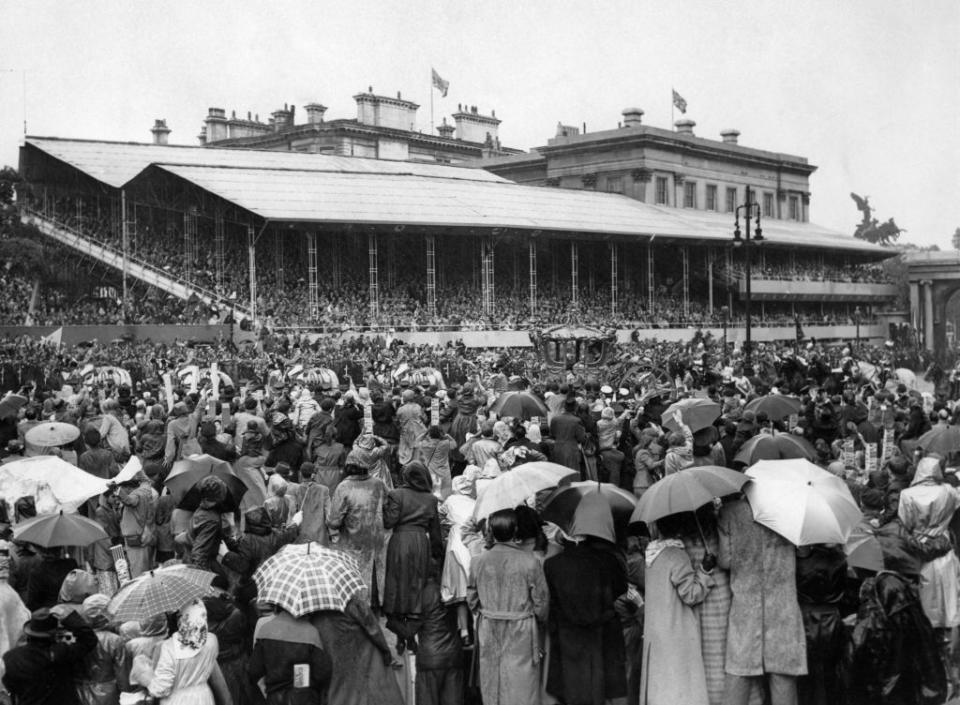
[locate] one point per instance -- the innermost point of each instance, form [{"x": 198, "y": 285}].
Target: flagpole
[
  {"x": 431, "y": 104},
  {"x": 672, "y": 105}
]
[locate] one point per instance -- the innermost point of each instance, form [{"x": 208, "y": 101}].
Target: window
[
  {"x": 614, "y": 184},
  {"x": 661, "y": 190},
  {"x": 711, "y": 197},
  {"x": 731, "y": 199},
  {"x": 794, "y": 208},
  {"x": 690, "y": 194},
  {"x": 768, "y": 205}
]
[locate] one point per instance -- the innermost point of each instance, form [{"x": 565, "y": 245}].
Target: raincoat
[
  {"x": 455, "y": 512},
  {"x": 508, "y": 593},
  {"x": 926, "y": 508},
  {"x": 587, "y": 652},
  {"x": 356, "y": 517},
  {"x": 765, "y": 631},
  {"x": 672, "y": 667}
]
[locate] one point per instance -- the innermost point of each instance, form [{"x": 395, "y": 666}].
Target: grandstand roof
[
  {"x": 115, "y": 163},
  {"x": 386, "y": 199},
  {"x": 311, "y": 188}
]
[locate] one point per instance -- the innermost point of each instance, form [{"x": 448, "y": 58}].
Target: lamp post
[
  {"x": 750, "y": 210},
  {"x": 856, "y": 319},
  {"x": 725, "y": 315}
]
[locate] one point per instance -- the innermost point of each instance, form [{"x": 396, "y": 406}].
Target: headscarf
[
  {"x": 154, "y": 626},
  {"x": 416, "y": 477},
  {"x": 928, "y": 471},
  {"x": 94, "y": 610},
  {"x": 77, "y": 586},
  {"x": 533, "y": 433},
  {"x": 191, "y": 630}
]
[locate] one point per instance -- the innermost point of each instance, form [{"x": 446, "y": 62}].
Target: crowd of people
[
  {"x": 343, "y": 295},
  {"x": 503, "y": 607}
]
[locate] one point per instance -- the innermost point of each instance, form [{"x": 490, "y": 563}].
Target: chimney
[
  {"x": 632, "y": 117},
  {"x": 216, "y": 124},
  {"x": 685, "y": 127},
  {"x": 160, "y": 131},
  {"x": 315, "y": 113},
  {"x": 202, "y": 137},
  {"x": 730, "y": 136},
  {"x": 282, "y": 118},
  {"x": 446, "y": 130}
]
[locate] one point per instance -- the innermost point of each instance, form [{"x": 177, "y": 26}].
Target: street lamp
[
  {"x": 750, "y": 210},
  {"x": 856, "y": 319},
  {"x": 725, "y": 315}
]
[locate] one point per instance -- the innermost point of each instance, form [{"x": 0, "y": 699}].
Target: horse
[{"x": 194, "y": 376}]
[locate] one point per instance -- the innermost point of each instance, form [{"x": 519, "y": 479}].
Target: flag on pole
[
  {"x": 439, "y": 83},
  {"x": 54, "y": 338},
  {"x": 679, "y": 102}
]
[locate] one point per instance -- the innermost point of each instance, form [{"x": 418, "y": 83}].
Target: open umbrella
[
  {"x": 186, "y": 473},
  {"x": 306, "y": 578},
  {"x": 775, "y": 406},
  {"x": 696, "y": 413},
  {"x": 11, "y": 404},
  {"x": 802, "y": 502},
  {"x": 941, "y": 439},
  {"x": 59, "y": 530},
  {"x": 51, "y": 434},
  {"x": 514, "y": 486},
  {"x": 41, "y": 474},
  {"x": 687, "y": 491},
  {"x": 864, "y": 550},
  {"x": 779, "y": 447},
  {"x": 160, "y": 590},
  {"x": 561, "y": 506},
  {"x": 522, "y": 405}
]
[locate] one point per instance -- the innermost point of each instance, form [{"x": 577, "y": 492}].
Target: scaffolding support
[
  {"x": 252, "y": 269},
  {"x": 278, "y": 246},
  {"x": 650, "y": 288},
  {"x": 431, "y": 276},
  {"x": 373, "y": 276},
  {"x": 614, "y": 284},
  {"x": 335, "y": 261},
  {"x": 574, "y": 276},
  {"x": 486, "y": 276},
  {"x": 685, "y": 256},
  {"x": 218, "y": 247},
  {"x": 313, "y": 294},
  {"x": 190, "y": 239},
  {"x": 709, "y": 262},
  {"x": 125, "y": 240},
  {"x": 532, "y": 247}
]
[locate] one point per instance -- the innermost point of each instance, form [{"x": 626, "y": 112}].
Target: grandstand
[{"x": 326, "y": 243}]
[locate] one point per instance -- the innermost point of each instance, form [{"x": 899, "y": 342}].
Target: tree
[{"x": 956, "y": 239}]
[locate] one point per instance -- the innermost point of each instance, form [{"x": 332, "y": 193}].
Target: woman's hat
[{"x": 42, "y": 624}]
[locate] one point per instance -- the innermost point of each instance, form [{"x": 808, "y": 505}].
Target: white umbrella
[
  {"x": 516, "y": 485},
  {"x": 802, "y": 502},
  {"x": 35, "y": 477}
]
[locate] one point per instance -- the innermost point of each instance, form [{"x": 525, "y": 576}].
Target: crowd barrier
[{"x": 170, "y": 334}]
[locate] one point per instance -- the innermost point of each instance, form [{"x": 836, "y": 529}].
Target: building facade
[
  {"x": 384, "y": 128},
  {"x": 672, "y": 168}
]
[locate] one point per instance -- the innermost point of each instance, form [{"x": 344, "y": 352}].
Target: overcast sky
[{"x": 867, "y": 90}]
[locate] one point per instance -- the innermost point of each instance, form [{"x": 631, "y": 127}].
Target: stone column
[{"x": 928, "y": 341}]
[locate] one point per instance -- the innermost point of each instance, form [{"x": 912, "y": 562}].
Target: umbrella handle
[{"x": 700, "y": 529}]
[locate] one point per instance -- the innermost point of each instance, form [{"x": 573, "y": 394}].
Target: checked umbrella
[{"x": 307, "y": 578}]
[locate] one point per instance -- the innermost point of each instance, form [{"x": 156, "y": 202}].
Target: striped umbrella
[
  {"x": 160, "y": 590},
  {"x": 307, "y": 578}
]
